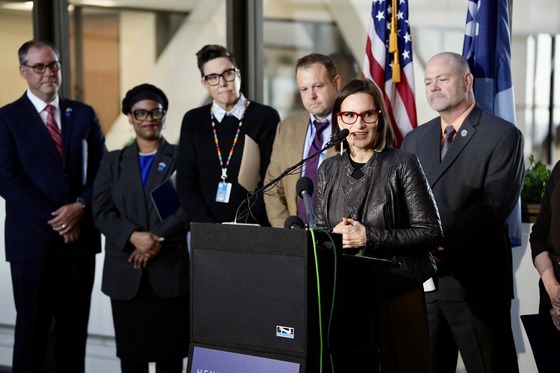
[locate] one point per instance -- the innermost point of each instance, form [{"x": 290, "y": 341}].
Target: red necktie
[
  {"x": 312, "y": 165},
  {"x": 54, "y": 131}
]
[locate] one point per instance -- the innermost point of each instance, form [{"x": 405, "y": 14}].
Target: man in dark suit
[
  {"x": 50, "y": 237},
  {"x": 476, "y": 185}
]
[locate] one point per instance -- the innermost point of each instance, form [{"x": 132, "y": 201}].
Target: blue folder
[{"x": 165, "y": 198}]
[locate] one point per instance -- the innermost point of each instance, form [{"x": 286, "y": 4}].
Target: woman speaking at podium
[{"x": 377, "y": 197}]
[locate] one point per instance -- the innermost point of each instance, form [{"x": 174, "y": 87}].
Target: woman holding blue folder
[{"x": 146, "y": 268}]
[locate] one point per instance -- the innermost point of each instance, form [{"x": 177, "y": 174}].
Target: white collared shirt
[
  {"x": 238, "y": 110},
  {"x": 40, "y": 106}
]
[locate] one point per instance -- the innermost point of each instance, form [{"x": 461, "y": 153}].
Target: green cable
[
  {"x": 319, "y": 295},
  {"x": 318, "y": 301}
]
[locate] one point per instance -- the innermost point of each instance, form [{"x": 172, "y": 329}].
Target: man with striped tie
[
  {"x": 302, "y": 135},
  {"x": 50, "y": 149}
]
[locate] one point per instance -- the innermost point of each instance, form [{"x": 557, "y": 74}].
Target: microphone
[
  {"x": 293, "y": 222},
  {"x": 304, "y": 188},
  {"x": 250, "y": 200},
  {"x": 336, "y": 138}
]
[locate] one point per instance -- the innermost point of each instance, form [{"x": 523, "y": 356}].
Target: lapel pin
[
  {"x": 464, "y": 133},
  {"x": 161, "y": 166},
  {"x": 68, "y": 112}
]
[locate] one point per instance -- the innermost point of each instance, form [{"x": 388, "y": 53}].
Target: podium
[{"x": 280, "y": 300}]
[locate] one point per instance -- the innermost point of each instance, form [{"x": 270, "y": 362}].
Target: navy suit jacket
[
  {"x": 35, "y": 181},
  {"x": 476, "y": 187}
]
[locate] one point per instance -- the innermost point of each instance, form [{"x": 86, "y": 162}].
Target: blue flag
[{"x": 487, "y": 48}]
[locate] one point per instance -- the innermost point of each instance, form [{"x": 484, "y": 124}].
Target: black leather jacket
[{"x": 393, "y": 200}]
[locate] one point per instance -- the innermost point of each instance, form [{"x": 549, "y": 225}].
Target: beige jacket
[{"x": 281, "y": 200}]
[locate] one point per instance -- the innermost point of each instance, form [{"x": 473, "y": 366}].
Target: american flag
[
  {"x": 388, "y": 62},
  {"x": 487, "y": 48}
]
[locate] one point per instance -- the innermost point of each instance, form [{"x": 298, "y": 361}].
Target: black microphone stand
[{"x": 252, "y": 197}]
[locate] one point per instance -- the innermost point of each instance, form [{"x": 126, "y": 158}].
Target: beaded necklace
[{"x": 224, "y": 168}]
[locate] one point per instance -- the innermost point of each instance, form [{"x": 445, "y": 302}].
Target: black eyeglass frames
[
  {"x": 142, "y": 115},
  {"x": 40, "y": 68},
  {"x": 214, "y": 79}
]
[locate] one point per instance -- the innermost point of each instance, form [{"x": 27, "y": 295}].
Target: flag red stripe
[
  {"x": 398, "y": 97},
  {"x": 407, "y": 95}
]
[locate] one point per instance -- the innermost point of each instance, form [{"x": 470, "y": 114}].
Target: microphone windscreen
[
  {"x": 304, "y": 184},
  {"x": 294, "y": 222},
  {"x": 343, "y": 134}
]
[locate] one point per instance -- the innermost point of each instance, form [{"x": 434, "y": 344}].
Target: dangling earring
[{"x": 341, "y": 147}]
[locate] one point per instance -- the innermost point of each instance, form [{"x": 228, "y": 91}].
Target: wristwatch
[{"x": 82, "y": 201}]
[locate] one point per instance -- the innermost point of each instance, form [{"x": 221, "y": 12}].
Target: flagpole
[{"x": 394, "y": 45}]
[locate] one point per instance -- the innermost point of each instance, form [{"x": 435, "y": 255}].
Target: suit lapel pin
[
  {"x": 161, "y": 166},
  {"x": 68, "y": 112},
  {"x": 463, "y": 133}
]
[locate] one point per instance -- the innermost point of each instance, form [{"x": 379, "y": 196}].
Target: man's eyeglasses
[
  {"x": 142, "y": 115},
  {"x": 41, "y": 68},
  {"x": 368, "y": 116},
  {"x": 214, "y": 79}
]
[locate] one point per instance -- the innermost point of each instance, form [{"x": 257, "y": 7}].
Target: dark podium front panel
[
  {"x": 250, "y": 289},
  {"x": 254, "y": 294}
]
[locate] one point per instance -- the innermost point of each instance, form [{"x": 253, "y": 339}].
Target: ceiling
[
  {"x": 164, "y": 5},
  {"x": 536, "y": 16}
]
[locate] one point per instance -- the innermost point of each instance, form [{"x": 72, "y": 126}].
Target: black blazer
[
  {"x": 475, "y": 187},
  {"x": 35, "y": 181},
  {"x": 121, "y": 206}
]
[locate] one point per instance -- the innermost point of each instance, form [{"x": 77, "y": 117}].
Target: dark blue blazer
[
  {"x": 35, "y": 181},
  {"x": 476, "y": 187}
]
